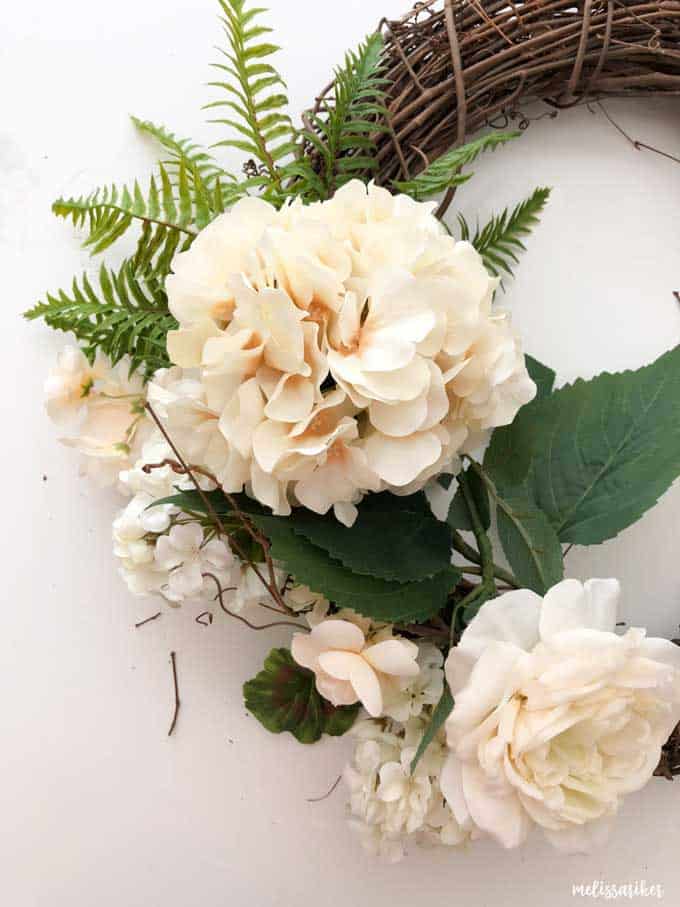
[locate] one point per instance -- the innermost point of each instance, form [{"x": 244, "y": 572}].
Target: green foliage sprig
[
  {"x": 343, "y": 131},
  {"x": 445, "y": 172},
  {"x": 255, "y": 97},
  {"x": 126, "y": 314},
  {"x": 499, "y": 242}
]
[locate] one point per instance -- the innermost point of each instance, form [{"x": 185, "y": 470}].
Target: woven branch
[{"x": 455, "y": 66}]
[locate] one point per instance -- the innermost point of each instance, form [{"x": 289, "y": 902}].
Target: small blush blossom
[
  {"x": 556, "y": 717},
  {"x": 348, "y": 668}
]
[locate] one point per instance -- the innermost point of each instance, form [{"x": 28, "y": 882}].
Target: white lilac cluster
[
  {"x": 335, "y": 349},
  {"x": 389, "y": 805}
]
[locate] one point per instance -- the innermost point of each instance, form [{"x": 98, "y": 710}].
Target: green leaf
[
  {"x": 445, "y": 171},
  {"x": 283, "y": 697},
  {"x": 458, "y": 516},
  {"x": 542, "y": 376},
  {"x": 183, "y": 151},
  {"x": 127, "y": 315},
  {"x": 508, "y": 457},
  {"x": 500, "y": 241},
  {"x": 605, "y": 449},
  {"x": 380, "y": 599},
  {"x": 254, "y": 95},
  {"x": 344, "y": 130},
  {"x": 393, "y": 538},
  {"x": 529, "y": 542},
  {"x": 441, "y": 712}
]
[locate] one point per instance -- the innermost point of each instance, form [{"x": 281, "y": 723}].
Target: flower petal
[
  {"x": 393, "y": 656},
  {"x": 339, "y": 634}
]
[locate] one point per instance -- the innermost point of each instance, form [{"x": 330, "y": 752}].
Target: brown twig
[
  {"x": 147, "y": 620},
  {"x": 181, "y": 467},
  {"x": 275, "y": 623},
  {"x": 328, "y": 792},
  {"x": 208, "y": 618},
  {"x": 635, "y": 142},
  {"x": 173, "y": 661}
]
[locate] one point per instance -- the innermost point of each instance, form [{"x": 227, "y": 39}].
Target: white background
[{"x": 97, "y": 805}]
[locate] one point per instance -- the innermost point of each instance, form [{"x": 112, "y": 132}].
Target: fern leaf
[
  {"x": 255, "y": 98},
  {"x": 500, "y": 241},
  {"x": 126, "y": 314},
  {"x": 444, "y": 173},
  {"x": 170, "y": 214},
  {"x": 343, "y": 132},
  {"x": 183, "y": 151}
]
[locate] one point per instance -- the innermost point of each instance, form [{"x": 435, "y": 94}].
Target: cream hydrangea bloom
[
  {"x": 338, "y": 348},
  {"x": 556, "y": 717},
  {"x": 349, "y": 668}
]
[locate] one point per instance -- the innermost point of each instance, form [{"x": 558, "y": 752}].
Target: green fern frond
[
  {"x": 169, "y": 215},
  {"x": 255, "y": 94},
  {"x": 183, "y": 151},
  {"x": 126, "y": 314},
  {"x": 342, "y": 133},
  {"x": 444, "y": 173},
  {"x": 499, "y": 242}
]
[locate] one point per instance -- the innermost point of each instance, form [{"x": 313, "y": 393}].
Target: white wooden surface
[{"x": 97, "y": 805}]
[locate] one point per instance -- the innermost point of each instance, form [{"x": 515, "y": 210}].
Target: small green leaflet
[
  {"x": 529, "y": 542},
  {"x": 283, "y": 697},
  {"x": 441, "y": 712},
  {"x": 458, "y": 516},
  {"x": 542, "y": 376}
]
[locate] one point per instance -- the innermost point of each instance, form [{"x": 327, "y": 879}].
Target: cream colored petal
[
  {"x": 393, "y": 656},
  {"x": 305, "y": 650},
  {"x": 338, "y": 664},
  {"x": 399, "y": 461},
  {"x": 512, "y": 617},
  {"x": 339, "y": 634},
  {"x": 569, "y": 605},
  {"x": 503, "y": 817},
  {"x": 367, "y": 687}
]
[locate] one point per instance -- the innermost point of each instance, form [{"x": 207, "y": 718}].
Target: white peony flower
[
  {"x": 556, "y": 717},
  {"x": 340, "y": 348},
  {"x": 347, "y": 668}
]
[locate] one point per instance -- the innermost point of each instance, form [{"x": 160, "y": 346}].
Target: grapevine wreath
[{"x": 299, "y": 359}]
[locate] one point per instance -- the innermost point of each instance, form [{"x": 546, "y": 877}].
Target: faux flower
[
  {"x": 556, "y": 717},
  {"x": 336, "y": 349},
  {"x": 103, "y": 408},
  {"x": 389, "y": 805},
  {"x": 407, "y": 698},
  {"x": 187, "y": 556},
  {"x": 347, "y": 668}
]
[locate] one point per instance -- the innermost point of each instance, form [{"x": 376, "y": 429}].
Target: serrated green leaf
[
  {"x": 373, "y": 597},
  {"x": 606, "y": 449},
  {"x": 283, "y": 697},
  {"x": 393, "y": 538},
  {"x": 441, "y": 712}
]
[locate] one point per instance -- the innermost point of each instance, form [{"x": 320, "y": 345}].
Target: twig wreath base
[{"x": 456, "y": 69}]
